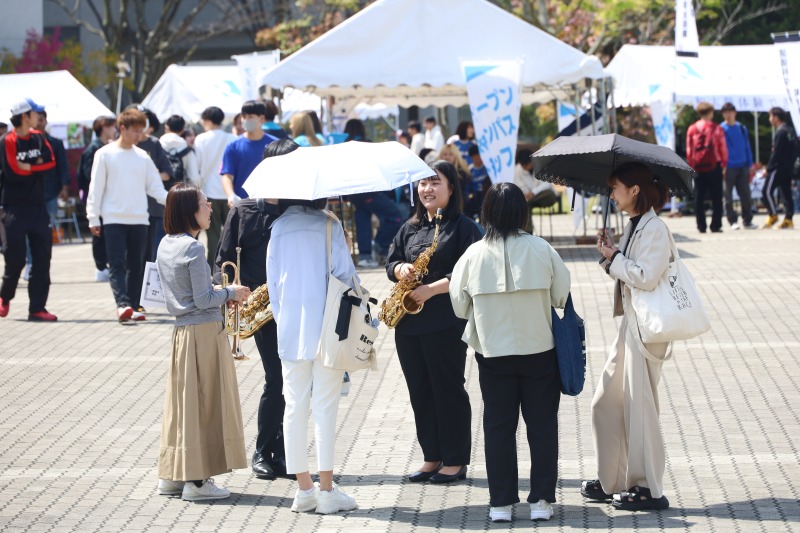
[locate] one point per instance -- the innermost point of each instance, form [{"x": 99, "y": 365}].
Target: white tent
[
  {"x": 63, "y": 97},
  {"x": 408, "y": 52},
  {"x": 750, "y": 76},
  {"x": 188, "y": 90}
]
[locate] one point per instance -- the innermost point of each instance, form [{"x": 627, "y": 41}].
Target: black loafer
[
  {"x": 279, "y": 467},
  {"x": 445, "y": 478},
  {"x": 418, "y": 477},
  {"x": 263, "y": 469}
]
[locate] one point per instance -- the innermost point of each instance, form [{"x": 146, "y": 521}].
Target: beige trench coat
[{"x": 625, "y": 409}]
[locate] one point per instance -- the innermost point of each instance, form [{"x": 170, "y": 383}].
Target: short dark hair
[
  {"x": 430, "y": 119},
  {"x": 150, "y": 117},
  {"x": 406, "y": 136},
  {"x": 176, "y": 123},
  {"x": 103, "y": 121},
  {"x": 16, "y": 120},
  {"x": 524, "y": 156},
  {"x": 415, "y": 125},
  {"x": 778, "y": 113},
  {"x": 355, "y": 131},
  {"x": 504, "y": 212},
  {"x": 279, "y": 147},
  {"x": 43, "y": 113},
  {"x": 461, "y": 129},
  {"x": 183, "y": 202},
  {"x": 652, "y": 194},
  {"x": 272, "y": 110},
  {"x": 456, "y": 204},
  {"x": 213, "y": 114},
  {"x": 473, "y": 150},
  {"x": 254, "y": 107},
  {"x": 727, "y": 106}
]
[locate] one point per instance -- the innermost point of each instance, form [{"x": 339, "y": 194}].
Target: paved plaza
[{"x": 82, "y": 399}]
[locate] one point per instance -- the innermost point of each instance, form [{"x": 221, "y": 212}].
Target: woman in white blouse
[{"x": 297, "y": 277}]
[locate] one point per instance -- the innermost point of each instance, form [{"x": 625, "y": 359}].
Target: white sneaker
[
  {"x": 541, "y": 510},
  {"x": 367, "y": 263},
  {"x": 101, "y": 275},
  {"x": 207, "y": 491},
  {"x": 500, "y": 514},
  {"x": 138, "y": 316},
  {"x": 124, "y": 313},
  {"x": 170, "y": 488},
  {"x": 735, "y": 226},
  {"x": 334, "y": 501},
  {"x": 304, "y": 502}
]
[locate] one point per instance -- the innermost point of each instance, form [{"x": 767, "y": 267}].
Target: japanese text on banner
[
  {"x": 494, "y": 100},
  {"x": 789, "y": 50}
]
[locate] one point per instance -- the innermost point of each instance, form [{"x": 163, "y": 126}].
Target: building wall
[{"x": 16, "y": 18}]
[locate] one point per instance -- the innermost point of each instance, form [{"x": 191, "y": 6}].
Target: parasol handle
[
  {"x": 608, "y": 210},
  {"x": 574, "y": 193}
]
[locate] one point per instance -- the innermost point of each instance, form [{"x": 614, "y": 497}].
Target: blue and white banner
[
  {"x": 788, "y": 46},
  {"x": 494, "y": 100},
  {"x": 252, "y": 68},
  {"x": 686, "y": 40}
]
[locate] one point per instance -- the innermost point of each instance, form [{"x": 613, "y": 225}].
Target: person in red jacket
[
  {"x": 707, "y": 154},
  {"x": 24, "y": 154}
]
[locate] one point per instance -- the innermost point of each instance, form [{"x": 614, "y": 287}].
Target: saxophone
[{"x": 399, "y": 301}]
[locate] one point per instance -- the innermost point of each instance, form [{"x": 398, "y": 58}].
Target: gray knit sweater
[{"x": 186, "y": 281}]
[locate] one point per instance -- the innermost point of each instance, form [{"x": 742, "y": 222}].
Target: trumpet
[{"x": 233, "y": 315}]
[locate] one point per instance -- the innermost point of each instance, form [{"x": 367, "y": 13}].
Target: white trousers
[{"x": 298, "y": 379}]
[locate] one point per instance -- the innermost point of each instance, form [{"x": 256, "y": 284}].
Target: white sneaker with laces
[
  {"x": 541, "y": 510},
  {"x": 207, "y": 491},
  {"x": 334, "y": 501},
  {"x": 303, "y": 501},
  {"x": 500, "y": 514},
  {"x": 101, "y": 275},
  {"x": 170, "y": 488},
  {"x": 735, "y": 226}
]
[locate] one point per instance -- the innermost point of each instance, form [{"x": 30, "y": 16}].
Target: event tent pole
[
  {"x": 591, "y": 106},
  {"x": 604, "y": 108},
  {"x": 613, "y": 106},
  {"x": 577, "y": 110}
]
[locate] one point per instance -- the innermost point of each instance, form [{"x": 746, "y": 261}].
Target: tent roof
[
  {"x": 748, "y": 76},
  {"x": 63, "y": 97},
  {"x": 408, "y": 52},
  {"x": 188, "y": 90}
]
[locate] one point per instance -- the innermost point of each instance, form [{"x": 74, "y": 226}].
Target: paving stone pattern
[{"x": 82, "y": 400}]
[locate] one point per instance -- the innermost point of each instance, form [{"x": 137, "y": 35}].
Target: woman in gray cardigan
[
  {"x": 627, "y": 433},
  {"x": 505, "y": 285},
  {"x": 202, "y": 432}
]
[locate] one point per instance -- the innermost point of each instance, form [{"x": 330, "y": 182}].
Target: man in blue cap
[{"x": 25, "y": 154}]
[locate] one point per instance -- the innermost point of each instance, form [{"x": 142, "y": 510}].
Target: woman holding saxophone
[
  {"x": 429, "y": 346},
  {"x": 202, "y": 433}
]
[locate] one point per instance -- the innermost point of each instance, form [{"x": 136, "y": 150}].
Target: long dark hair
[
  {"x": 456, "y": 204},
  {"x": 505, "y": 211}
]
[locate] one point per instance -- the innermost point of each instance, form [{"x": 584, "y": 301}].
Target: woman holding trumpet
[
  {"x": 202, "y": 432},
  {"x": 429, "y": 346}
]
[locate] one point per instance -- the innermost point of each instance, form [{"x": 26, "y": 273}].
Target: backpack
[
  {"x": 705, "y": 160},
  {"x": 176, "y": 162}
]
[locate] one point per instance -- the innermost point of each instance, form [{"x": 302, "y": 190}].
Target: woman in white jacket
[
  {"x": 627, "y": 435},
  {"x": 505, "y": 285}
]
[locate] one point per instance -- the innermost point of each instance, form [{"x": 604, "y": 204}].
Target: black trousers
[
  {"x": 708, "y": 185},
  {"x": 99, "y": 249},
  {"x": 530, "y": 382},
  {"x": 434, "y": 366},
  {"x": 31, "y": 223},
  {"x": 269, "y": 442},
  {"x": 784, "y": 184},
  {"x": 126, "y": 245}
]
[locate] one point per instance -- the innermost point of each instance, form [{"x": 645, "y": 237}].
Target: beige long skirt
[{"x": 202, "y": 434}]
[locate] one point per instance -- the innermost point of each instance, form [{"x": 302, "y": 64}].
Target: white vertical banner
[
  {"x": 252, "y": 68},
  {"x": 663, "y": 125},
  {"x": 686, "y": 40},
  {"x": 789, "y": 49},
  {"x": 493, "y": 88}
]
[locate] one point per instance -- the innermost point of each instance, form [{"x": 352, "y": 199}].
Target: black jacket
[
  {"x": 85, "y": 165},
  {"x": 24, "y": 188},
  {"x": 58, "y": 176},
  {"x": 247, "y": 226},
  {"x": 784, "y": 151},
  {"x": 455, "y": 236}
]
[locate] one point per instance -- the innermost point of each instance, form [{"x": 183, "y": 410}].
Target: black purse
[{"x": 569, "y": 334}]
